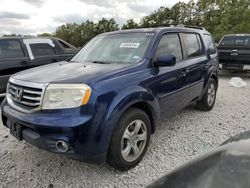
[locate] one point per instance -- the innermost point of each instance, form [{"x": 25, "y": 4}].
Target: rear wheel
[
  {"x": 130, "y": 140},
  {"x": 208, "y": 100}
]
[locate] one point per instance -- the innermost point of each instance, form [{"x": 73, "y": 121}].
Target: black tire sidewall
[
  {"x": 114, "y": 155},
  {"x": 203, "y": 103},
  {"x": 211, "y": 81}
]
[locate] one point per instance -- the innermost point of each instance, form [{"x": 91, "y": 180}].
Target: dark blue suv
[{"x": 105, "y": 103}]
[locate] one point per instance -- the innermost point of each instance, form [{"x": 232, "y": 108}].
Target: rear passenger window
[
  {"x": 42, "y": 49},
  {"x": 193, "y": 45},
  {"x": 10, "y": 49},
  {"x": 170, "y": 44},
  {"x": 209, "y": 42}
]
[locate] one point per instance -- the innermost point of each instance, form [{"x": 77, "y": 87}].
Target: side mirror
[{"x": 166, "y": 61}]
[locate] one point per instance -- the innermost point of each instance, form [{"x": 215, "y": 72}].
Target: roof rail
[{"x": 187, "y": 26}]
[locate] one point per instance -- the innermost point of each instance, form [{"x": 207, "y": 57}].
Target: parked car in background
[
  {"x": 105, "y": 103},
  {"x": 17, "y": 54},
  {"x": 234, "y": 52}
]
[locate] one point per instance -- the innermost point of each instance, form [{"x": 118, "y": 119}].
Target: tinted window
[
  {"x": 209, "y": 42},
  {"x": 228, "y": 41},
  {"x": 239, "y": 41},
  {"x": 193, "y": 45},
  {"x": 42, "y": 49},
  {"x": 10, "y": 49},
  {"x": 247, "y": 41},
  {"x": 170, "y": 44},
  {"x": 235, "y": 41}
]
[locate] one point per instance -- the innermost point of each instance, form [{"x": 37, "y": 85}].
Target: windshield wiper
[
  {"x": 100, "y": 62},
  {"x": 74, "y": 61}
]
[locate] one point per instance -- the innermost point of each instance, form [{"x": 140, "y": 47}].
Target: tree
[
  {"x": 159, "y": 18},
  {"x": 219, "y": 17},
  {"x": 131, "y": 24},
  {"x": 105, "y": 25},
  {"x": 44, "y": 35},
  {"x": 80, "y": 34}
]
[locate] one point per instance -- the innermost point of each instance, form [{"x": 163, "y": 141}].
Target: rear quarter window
[
  {"x": 10, "y": 49},
  {"x": 209, "y": 43}
]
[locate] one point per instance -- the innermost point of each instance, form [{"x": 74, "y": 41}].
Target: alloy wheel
[
  {"x": 211, "y": 94},
  {"x": 134, "y": 140}
]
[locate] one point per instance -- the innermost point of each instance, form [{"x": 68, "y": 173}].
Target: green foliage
[
  {"x": 44, "y": 35},
  {"x": 219, "y": 17},
  {"x": 79, "y": 34},
  {"x": 131, "y": 24}
]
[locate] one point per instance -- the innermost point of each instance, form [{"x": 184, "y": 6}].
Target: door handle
[{"x": 184, "y": 73}]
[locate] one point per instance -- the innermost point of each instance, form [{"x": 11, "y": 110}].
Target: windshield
[{"x": 117, "y": 48}]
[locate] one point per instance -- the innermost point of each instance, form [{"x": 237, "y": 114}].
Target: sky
[{"x": 31, "y": 17}]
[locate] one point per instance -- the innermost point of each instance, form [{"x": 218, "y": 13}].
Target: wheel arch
[
  {"x": 215, "y": 77},
  {"x": 140, "y": 99},
  {"x": 144, "y": 106}
]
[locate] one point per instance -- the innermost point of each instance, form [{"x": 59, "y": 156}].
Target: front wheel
[
  {"x": 130, "y": 140},
  {"x": 208, "y": 100}
]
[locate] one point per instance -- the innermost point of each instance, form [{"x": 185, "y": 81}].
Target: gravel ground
[{"x": 178, "y": 139}]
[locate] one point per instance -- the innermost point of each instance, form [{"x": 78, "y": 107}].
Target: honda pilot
[{"x": 105, "y": 103}]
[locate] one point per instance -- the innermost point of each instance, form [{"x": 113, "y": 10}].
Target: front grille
[{"x": 24, "y": 96}]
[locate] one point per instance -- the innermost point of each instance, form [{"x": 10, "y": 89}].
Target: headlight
[{"x": 60, "y": 96}]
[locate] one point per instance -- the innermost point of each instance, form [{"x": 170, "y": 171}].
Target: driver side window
[{"x": 170, "y": 45}]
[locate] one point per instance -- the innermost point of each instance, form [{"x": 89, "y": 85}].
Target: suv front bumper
[{"x": 45, "y": 129}]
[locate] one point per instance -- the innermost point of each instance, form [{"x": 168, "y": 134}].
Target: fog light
[{"x": 62, "y": 146}]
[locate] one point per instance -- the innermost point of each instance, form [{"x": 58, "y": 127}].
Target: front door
[{"x": 170, "y": 86}]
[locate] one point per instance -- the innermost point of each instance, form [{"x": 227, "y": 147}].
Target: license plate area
[{"x": 16, "y": 131}]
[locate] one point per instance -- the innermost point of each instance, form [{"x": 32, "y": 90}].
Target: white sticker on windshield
[{"x": 129, "y": 45}]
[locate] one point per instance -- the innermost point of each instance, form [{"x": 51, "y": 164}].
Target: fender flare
[
  {"x": 118, "y": 107},
  {"x": 211, "y": 74}
]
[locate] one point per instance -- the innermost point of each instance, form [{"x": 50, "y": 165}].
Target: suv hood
[{"x": 64, "y": 72}]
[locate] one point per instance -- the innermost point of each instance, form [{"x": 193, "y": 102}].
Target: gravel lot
[{"x": 177, "y": 139}]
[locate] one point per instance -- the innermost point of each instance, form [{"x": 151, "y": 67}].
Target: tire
[
  {"x": 125, "y": 142},
  {"x": 208, "y": 100}
]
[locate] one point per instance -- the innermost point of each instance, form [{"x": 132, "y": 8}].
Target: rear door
[
  {"x": 13, "y": 58},
  {"x": 195, "y": 64}
]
